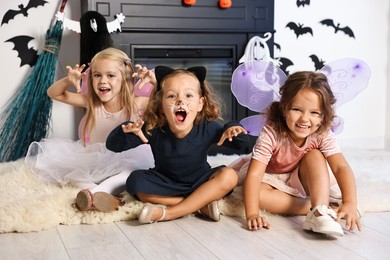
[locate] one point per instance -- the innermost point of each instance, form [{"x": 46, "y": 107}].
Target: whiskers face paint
[{"x": 186, "y": 107}]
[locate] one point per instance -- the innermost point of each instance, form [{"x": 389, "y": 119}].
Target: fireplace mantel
[
  {"x": 170, "y": 22},
  {"x": 249, "y": 16}
]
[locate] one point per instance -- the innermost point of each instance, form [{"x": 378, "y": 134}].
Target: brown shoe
[
  {"x": 84, "y": 200},
  {"x": 100, "y": 201},
  {"x": 105, "y": 202}
]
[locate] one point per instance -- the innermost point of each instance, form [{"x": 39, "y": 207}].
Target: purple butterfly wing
[
  {"x": 337, "y": 125},
  {"x": 256, "y": 84},
  {"x": 254, "y": 124},
  {"x": 347, "y": 78}
]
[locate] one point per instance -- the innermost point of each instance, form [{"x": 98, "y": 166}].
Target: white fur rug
[{"x": 27, "y": 204}]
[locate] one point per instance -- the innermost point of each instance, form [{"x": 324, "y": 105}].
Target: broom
[{"x": 26, "y": 117}]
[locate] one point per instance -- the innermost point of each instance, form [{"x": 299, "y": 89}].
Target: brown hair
[
  {"x": 127, "y": 95},
  {"x": 155, "y": 118},
  {"x": 314, "y": 81}
]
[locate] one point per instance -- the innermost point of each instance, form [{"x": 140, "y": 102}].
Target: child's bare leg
[
  {"x": 279, "y": 202},
  {"x": 314, "y": 175},
  {"x": 215, "y": 188},
  {"x": 163, "y": 200}
]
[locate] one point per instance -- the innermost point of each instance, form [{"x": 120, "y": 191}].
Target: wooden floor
[{"x": 195, "y": 238}]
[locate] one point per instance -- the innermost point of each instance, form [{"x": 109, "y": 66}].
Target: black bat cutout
[
  {"x": 277, "y": 46},
  {"x": 329, "y": 22},
  {"x": 284, "y": 64},
  {"x": 299, "y": 29},
  {"x": 10, "y": 14},
  {"x": 27, "y": 55},
  {"x": 303, "y": 3},
  {"x": 318, "y": 63}
]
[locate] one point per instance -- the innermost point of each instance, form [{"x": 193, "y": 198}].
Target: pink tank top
[{"x": 105, "y": 122}]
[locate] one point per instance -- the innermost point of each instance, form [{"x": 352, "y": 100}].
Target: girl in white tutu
[{"x": 86, "y": 163}]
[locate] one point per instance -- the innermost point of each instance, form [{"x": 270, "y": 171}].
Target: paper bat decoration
[
  {"x": 27, "y": 55},
  {"x": 277, "y": 46},
  {"x": 256, "y": 85},
  {"x": 72, "y": 25},
  {"x": 10, "y": 14},
  {"x": 346, "y": 29},
  {"x": 284, "y": 63},
  {"x": 303, "y": 3},
  {"x": 318, "y": 63},
  {"x": 299, "y": 29}
]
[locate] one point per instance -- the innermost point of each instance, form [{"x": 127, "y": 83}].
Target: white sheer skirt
[{"x": 65, "y": 161}]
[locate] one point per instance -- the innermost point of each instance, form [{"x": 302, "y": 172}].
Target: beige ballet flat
[
  {"x": 212, "y": 211},
  {"x": 147, "y": 212}
]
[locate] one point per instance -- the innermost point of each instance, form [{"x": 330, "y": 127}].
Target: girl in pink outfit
[
  {"x": 86, "y": 163},
  {"x": 287, "y": 172}
]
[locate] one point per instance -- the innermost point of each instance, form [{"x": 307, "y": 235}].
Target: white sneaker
[{"x": 325, "y": 223}]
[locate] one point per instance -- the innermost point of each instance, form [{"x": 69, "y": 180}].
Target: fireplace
[
  {"x": 164, "y": 32},
  {"x": 219, "y": 62}
]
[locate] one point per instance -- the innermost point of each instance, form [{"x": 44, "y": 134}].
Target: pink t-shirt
[{"x": 281, "y": 155}]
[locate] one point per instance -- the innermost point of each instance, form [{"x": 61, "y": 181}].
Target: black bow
[{"x": 162, "y": 71}]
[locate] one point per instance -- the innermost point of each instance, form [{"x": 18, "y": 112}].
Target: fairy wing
[
  {"x": 255, "y": 84},
  {"x": 337, "y": 125},
  {"x": 347, "y": 78},
  {"x": 254, "y": 124}
]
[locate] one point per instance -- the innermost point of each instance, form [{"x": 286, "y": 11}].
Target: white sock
[{"x": 113, "y": 185}]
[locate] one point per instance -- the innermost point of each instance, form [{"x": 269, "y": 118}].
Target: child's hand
[
  {"x": 231, "y": 132},
  {"x": 146, "y": 76},
  {"x": 349, "y": 212},
  {"x": 135, "y": 128},
  {"x": 75, "y": 75},
  {"x": 256, "y": 222}
]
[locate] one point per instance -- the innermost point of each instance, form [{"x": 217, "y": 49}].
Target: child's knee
[
  {"x": 314, "y": 154},
  {"x": 230, "y": 177}
]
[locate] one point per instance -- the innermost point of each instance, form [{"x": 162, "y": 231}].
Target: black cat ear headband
[{"x": 162, "y": 71}]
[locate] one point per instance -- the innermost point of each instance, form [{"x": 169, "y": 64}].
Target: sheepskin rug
[{"x": 27, "y": 205}]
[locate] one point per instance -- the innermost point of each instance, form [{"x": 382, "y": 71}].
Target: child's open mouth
[
  {"x": 104, "y": 90},
  {"x": 181, "y": 115}
]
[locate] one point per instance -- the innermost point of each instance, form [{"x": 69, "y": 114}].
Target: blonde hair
[
  {"x": 127, "y": 95},
  {"x": 154, "y": 116}
]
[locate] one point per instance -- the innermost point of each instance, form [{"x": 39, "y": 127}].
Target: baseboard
[
  {"x": 363, "y": 143},
  {"x": 387, "y": 144}
]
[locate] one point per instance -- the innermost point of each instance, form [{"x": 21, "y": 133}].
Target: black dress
[{"x": 180, "y": 163}]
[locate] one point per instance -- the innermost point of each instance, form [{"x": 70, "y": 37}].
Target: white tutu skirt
[{"x": 65, "y": 161}]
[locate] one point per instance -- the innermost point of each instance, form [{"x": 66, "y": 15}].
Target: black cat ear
[
  {"x": 199, "y": 71},
  {"x": 161, "y": 72}
]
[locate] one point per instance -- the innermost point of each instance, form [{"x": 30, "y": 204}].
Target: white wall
[
  {"x": 387, "y": 129},
  {"x": 365, "y": 117}
]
